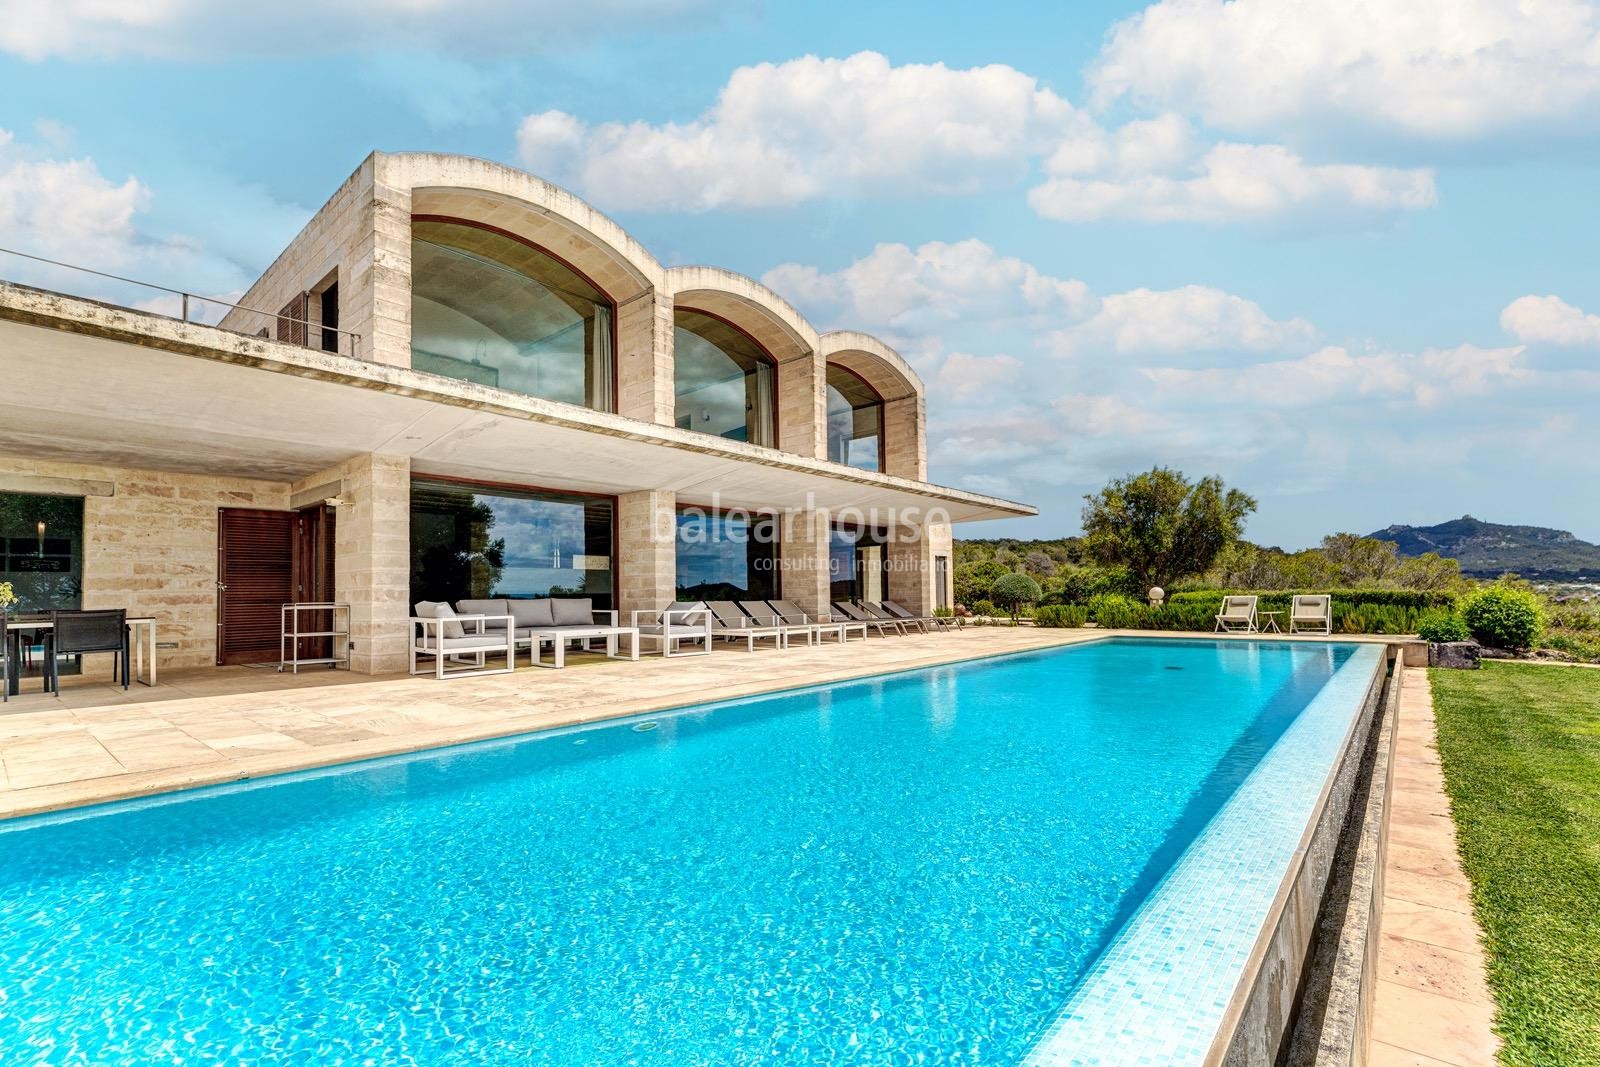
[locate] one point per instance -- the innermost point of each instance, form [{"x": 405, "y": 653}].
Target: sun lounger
[
  {"x": 763, "y": 615},
  {"x": 840, "y": 629},
  {"x": 878, "y": 611},
  {"x": 899, "y": 612},
  {"x": 1311, "y": 615},
  {"x": 881, "y": 626},
  {"x": 675, "y": 625},
  {"x": 731, "y": 624},
  {"x": 1238, "y": 615}
]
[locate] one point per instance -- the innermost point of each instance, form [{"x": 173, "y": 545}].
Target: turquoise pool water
[{"x": 923, "y": 867}]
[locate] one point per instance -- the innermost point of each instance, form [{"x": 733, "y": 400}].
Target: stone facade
[
  {"x": 150, "y": 546},
  {"x": 151, "y": 543}
]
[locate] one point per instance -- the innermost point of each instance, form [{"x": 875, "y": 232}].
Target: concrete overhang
[{"x": 87, "y": 382}]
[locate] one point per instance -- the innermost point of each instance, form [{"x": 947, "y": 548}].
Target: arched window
[
  {"x": 723, "y": 380},
  {"x": 855, "y": 421},
  {"x": 487, "y": 307}
]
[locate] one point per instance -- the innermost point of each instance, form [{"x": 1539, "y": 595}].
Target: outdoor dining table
[{"x": 141, "y": 646}]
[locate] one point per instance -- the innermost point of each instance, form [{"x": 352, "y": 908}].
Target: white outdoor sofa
[
  {"x": 460, "y": 645},
  {"x": 555, "y": 621},
  {"x": 1238, "y": 615}
]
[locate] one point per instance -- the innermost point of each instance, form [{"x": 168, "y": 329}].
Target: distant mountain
[{"x": 1489, "y": 549}]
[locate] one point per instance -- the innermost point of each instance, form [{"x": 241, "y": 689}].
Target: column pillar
[
  {"x": 804, "y": 550},
  {"x": 647, "y": 551},
  {"x": 644, "y": 360},
  {"x": 372, "y": 559}
]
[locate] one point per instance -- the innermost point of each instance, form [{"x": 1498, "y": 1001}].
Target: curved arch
[
  {"x": 900, "y": 391},
  {"x": 874, "y": 362},
  {"x": 724, "y": 380},
  {"x": 545, "y": 215},
  {"x": 769, "y": 319}
]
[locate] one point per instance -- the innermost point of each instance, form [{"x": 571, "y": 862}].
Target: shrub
[
  {"x": 1115, "y": 611},
  {"x": 1014, "y": 590},
  {"x": 1441, "y": 626},
  {"x": 1060, "y": 616},
  {"x": 1504, "y": 617},
  {"x": 985, "y": 608}
]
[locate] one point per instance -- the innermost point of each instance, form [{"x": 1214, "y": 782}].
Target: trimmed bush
[
  {"x": 1060, "y": 616},
  {"x": 985, "y": 607},
  {"x": 1013, "y": 590},
  {"x": 1115, "y": 611},
  {"x": 1504, "y": 617},
  {"x": 1442, "y": 626}
]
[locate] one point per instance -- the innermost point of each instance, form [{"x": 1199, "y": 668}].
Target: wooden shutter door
[{"x": 255, "y": 578}]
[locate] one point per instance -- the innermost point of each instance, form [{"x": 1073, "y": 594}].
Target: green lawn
[{"x": 1521, "y": 751}]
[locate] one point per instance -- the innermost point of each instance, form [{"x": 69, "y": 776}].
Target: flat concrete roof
[{"x": 97, "y": 383}]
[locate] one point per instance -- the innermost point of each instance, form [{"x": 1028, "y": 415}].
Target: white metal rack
[{"x": 290, "y": 636}]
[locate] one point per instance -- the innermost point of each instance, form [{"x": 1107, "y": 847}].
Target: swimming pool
[{"x": 947, "y": 864}]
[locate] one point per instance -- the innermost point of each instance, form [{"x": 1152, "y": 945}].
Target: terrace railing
[{"x": 290, "y": 324}]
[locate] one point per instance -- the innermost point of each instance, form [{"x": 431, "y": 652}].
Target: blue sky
[{"x": 1342, "y": 255}]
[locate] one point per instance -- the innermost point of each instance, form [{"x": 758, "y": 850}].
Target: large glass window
[
  {"x": 858, "y": 565},
  {"x": 723, "y": 380},
  {"x": 41, "y": 550},
  {"x": 487, "y": 308},
  {"x": 855, "y": 421},
  {"x": 469, "y": 541},
  {"x": 726, "y": 557}
]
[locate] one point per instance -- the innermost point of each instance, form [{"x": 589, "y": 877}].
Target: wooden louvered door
[{"x": 255, "y": 578}]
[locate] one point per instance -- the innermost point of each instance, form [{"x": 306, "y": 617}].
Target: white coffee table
[{"x": 559, "y": 637}]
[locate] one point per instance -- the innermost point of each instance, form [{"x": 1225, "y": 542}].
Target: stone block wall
[
  {"x": 372, "y": 556},
  {"x": 647, "y": 552},
  {"x": 803, "y": 552},
  {"x": 150, "y": 546}
]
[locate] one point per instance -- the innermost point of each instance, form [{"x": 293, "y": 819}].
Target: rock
[{"x": 1455, "y": 655}]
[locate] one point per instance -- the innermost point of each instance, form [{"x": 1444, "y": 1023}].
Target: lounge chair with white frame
[
  {"x": 878, "y": 611},
  {"x": 731, "y": 624},
  {"x": 1238, "y": 615},
  {"x": 675, "y": 625},
  {"x": 1311, "y": 614},
  {"x": 467, "y": 641},
  {"x": 882, "y": 626},
  {"x": 762, "y": 614},
  {"x": 896, "y": 609},
  {"x": 840, "y": 628}
]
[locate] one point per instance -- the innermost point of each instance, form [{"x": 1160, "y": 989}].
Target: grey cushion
[
  {"x": 485, "y": 607},
  {"x": 532, "y": 613},
  {"x": 574, "y": 612},
  {"x": 429, "y": 609}
]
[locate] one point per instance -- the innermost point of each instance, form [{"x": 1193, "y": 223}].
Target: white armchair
[
  {"x": 460, "y": 644},
  {"x": 674, "y": 625}
]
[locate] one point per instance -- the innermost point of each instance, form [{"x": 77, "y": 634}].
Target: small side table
[{"x": 1272, "y": 618}]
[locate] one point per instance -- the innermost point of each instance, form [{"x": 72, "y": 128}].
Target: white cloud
[
  {"x": 1156, "y": 171},
  {"x": 924, "y": 289},
  {"x": 807, "y": 128},
  {"x": 1549, "y": 320},
  {"x": 65, "y": 209},
  {"x": 1334, "y": 375},
  {"x": 69, "y": 210},
  {"x": 1189, "y": 319},
  {"x": 1447, "y": 69},
  {"x": 36, "y": 29},
  {"x": 965, "y": 377}
]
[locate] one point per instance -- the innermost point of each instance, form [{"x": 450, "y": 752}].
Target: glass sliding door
[
  {"x": 723, "y": 380},
  {"x": 41, "y": 550},
  {"x": 726, "y": 556},
  {"x": 474, "y": 541},
  {"x": 489, "y": 308},
  {"x": 858, "y": 565},
  {"x": 855, "y": 421}
]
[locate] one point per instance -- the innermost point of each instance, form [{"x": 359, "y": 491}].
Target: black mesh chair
[{"x": 74, "y": 633}]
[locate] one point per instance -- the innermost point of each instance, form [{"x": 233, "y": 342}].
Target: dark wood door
[
  {"x": 255, "y": 578},
  {"x": 313, "y": 575}
]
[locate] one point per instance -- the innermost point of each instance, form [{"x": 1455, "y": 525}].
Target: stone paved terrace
[{"x": 203, "y": 726}]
